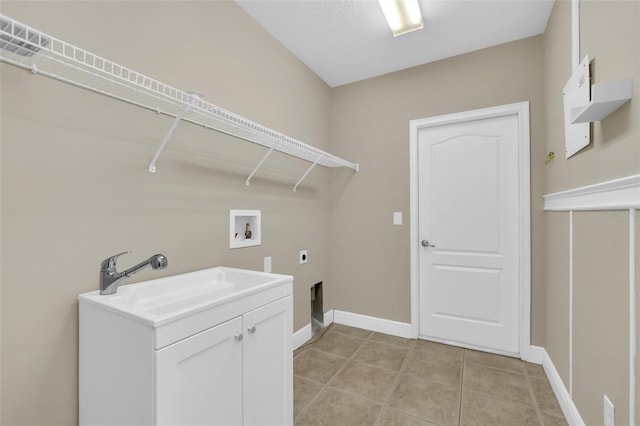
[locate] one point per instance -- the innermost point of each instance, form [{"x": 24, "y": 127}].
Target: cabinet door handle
[
  {"x": 252, "y": 329},
  {"x": 238, "y": 337}
]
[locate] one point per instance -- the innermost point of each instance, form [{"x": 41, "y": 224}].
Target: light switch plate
[
  {"x": 267, "y": 264},
  {"x": 397, "y": 218}
]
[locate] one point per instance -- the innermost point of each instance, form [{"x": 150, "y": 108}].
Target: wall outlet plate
[
  {"x": 304, "y": 257},
  {"x": 267, "y": 264},
  {"x": 397, "y": 218}
]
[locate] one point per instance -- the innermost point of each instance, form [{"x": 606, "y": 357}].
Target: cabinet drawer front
[
  {"x": 199, "y": 379},
  {"x": 268, "y": 364}
]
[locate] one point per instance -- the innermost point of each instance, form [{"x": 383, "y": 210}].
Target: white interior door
[{"x": 468, "y": 183}]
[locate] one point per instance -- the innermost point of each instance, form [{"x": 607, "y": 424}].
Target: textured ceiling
[{"x": 344, "y": 41}]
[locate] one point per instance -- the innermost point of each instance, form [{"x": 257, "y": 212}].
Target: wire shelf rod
[
  {"x": 26, "y": 47},
  {"x": 295, "y": 188},
  {"x": 152, "y": 165},
  {"x": 248, "y": 181}
]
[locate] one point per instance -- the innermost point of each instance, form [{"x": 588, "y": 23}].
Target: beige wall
[
  {"x": 370, "y": 122},
  {"x": 75, "y": 186},
  {"x": 609, "y": 34},
  {"x": 556, "y": 304},
  {"x": 601, "y": 313}
]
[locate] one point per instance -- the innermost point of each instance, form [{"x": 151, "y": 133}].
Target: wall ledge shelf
[
  {"x": 616, "y": 194},
  {"x": 605, "y": 98},
  {"x": 31, "y": 49}
]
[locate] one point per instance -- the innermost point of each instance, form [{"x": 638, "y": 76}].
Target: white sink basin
[{"x": 165, "y": 299}]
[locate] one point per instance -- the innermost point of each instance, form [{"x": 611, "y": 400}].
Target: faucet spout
[
  {"x": 157, "y": 261},
  {"x": 110, "y": 279}
]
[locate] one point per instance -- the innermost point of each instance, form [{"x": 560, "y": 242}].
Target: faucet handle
[{"x": 109, "y": 264}]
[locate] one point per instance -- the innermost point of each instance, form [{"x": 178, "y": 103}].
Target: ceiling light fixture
[{"x": 402, "y": 16}]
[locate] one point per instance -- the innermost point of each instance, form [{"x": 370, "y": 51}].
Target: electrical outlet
[
  {"x": 304, "y": 257},
  {"x": 609, "y": 412},
  {"x": 397, "y": 218},
  {"x": 267, "y": 264}
]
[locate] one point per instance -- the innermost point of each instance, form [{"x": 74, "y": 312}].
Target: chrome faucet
[{"x": 110, "y": 278}]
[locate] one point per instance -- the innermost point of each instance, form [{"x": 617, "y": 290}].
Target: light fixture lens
[{"x": 402, "y": 16}]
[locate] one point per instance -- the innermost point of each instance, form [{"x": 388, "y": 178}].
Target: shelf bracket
[
  {"x": 44, "y": 55},
  {"x": 295, "y": 188},
  {"x": 192, "y": 100},
  {"x": 248, "y": 181}
]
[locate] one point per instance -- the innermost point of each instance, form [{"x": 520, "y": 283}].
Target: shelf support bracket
[
  {"x": 295, "y": 188},
  {"x": 248, "y": 181},
  {"x": 183, "y": 111},
  {"x": 192, "y": 100}
]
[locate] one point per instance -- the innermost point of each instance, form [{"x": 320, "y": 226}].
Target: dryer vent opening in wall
[{"x": 317, "y": 313}]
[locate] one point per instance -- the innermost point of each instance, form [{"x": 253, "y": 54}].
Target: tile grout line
[
  {"x": 338, "y": 371},
  {"x": 385, "y": 404},
  {"x": 464, "y": 363},
  {"x": 324, "y": 385},
  {"x": 526, "y": 377},
  {"x": 393, "y": 386},
  {"x": 535, "y": 400},
  {"x": 412, "y": 348}
]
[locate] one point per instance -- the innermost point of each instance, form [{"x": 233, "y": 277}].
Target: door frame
[{"x": 521, "y": 111}]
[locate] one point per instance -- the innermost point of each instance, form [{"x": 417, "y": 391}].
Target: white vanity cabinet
[
  {"x": 232, "y": 374},
  {"x": 199, "y": 379},
  {"x": 236, "y": 369}
]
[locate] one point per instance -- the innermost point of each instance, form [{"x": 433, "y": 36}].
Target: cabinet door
[
  {"x": 268, "y": 364},
  {"x": 199, "y": 379}
]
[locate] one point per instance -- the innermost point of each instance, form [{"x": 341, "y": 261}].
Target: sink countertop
[{"x": 164, "y": 300}]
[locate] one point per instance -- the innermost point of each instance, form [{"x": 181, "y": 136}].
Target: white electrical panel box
[{"x": 576, "y": 94}]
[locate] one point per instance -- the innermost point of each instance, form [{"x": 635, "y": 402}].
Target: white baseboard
[
  {"x": 559, "y": 389},
  {"x": 328, "y": 317},
  {"x": 395, "y": 328},
  {"x": 536, "y": 354},
  {"x": 303, "y": 335}
]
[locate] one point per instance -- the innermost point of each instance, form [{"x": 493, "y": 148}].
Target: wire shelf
[{"x": 28, "y": 48}]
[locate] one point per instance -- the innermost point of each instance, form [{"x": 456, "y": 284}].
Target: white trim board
[
  {"x": 559, "y": 389},
  {"x": 617, "y": 194},
  {"x": 394, "y": 328},
  {"x": 571, "y": 302},
  {"x": 303, "y": 335},
  {"x": 521, "y": 110},
  {"x": 365, "y": 322},
  {"x": 632, "y": 317}
]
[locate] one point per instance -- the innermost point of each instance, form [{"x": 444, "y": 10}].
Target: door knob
[
  {"x": 252, "y": 329},
  {"x": 425, "y": 243},
  {"x": 238, "y": 337}
]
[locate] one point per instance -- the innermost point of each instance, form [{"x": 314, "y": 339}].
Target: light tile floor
[{"x": 352, "y": 376}]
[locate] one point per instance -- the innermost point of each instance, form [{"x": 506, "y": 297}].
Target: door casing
[{"x": 521, "y": 111}]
